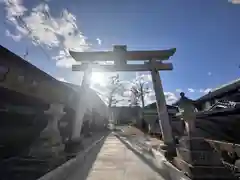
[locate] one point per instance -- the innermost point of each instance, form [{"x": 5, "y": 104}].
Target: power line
[{"x": 25, "y": 54}]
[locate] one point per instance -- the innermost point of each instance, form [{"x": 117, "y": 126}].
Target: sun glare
[{"x": 97, "y": 78}]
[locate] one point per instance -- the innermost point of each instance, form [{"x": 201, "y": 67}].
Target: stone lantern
[{"x": 50, "y": 141}]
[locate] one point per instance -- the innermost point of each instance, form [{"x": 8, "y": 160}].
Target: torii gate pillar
[
  {"x": 163, "y": 116},
  {"x": 83, "y": 105}
]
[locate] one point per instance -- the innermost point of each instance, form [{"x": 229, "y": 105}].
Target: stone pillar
[
  {"x": 50, "y": 143},
  {"x": 188, "y": 112},
  {"x": 82, "y": 106},
  {"x": 111, "y": 120},
  {"x": 197, "y": 159},
  {"x": 75, "y": 143},
  {"x": 163, "y": 117},
  {"x": 195, "y": 156},
  {"x": 207, "y": 105}
]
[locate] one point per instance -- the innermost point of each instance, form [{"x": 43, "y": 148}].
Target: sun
[{"x": 97, "y": 78}]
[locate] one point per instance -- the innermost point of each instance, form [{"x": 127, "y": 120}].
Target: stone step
[
  {"x": 203, "y": 172},
  {"x": 206, "y": 158}
]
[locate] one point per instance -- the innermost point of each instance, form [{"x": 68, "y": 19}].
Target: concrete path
[{"x": 114, "y": 161}]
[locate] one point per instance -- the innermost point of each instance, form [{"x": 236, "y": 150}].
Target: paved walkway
[{"x": 115, "y": 161}]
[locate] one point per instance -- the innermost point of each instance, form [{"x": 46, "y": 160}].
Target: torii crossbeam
[{"x": 120, "y": 56}]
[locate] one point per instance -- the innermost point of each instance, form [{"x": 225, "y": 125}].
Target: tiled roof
[
  {"x": 233, "y": 85},
  {"x": 20, "y": 62},
  {"x": 23, "y": 64}
]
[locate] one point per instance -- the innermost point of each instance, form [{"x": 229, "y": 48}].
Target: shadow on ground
[
  {"x": 148, "y": 158},
  {"x": 83, "y": 168},
  {"x": 29, "y": 168}
]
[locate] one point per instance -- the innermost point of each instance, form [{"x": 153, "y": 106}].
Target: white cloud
[
  {"x": 99, "y": 41},
  {"x": 209, "y": 73},
  {"x": 150, "y": 97},
  {"x": 191, "y": 90},
  {"x": 234, "y": 1},
  {"x": 127, "y": 93},
  {"x": 15, "y": 37},
  {"x": 38, "y": 25},
  {"x": 64, "y": 59},
  {"x": 205, "y": 91},
  {"x": 144, "y": 77},
  {"x": 169, "y": 96},
  {"x": 41, "y": 29},
  {"x": 103, "y": 92},
  {"x": 14, "y": 8}
]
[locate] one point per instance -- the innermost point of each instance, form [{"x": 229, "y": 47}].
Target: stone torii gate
[{"x": 120, "y": 56}]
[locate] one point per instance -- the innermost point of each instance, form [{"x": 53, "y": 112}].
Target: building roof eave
[{"x": 218, "y": 92}]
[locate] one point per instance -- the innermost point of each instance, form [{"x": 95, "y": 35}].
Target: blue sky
[{"x": 205, "y": 33}]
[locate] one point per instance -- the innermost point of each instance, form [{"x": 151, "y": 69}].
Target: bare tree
[
  {"x": 115, "y": 87},
  {"x": 134, "y": 98},
  {"x": 139, "y": 90}
]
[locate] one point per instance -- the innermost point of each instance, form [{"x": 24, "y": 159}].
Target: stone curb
[
  {"x": 160, "y": 164},
  {"x": 175, "y": 173},
  {"x": 63, "y": 171}
]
